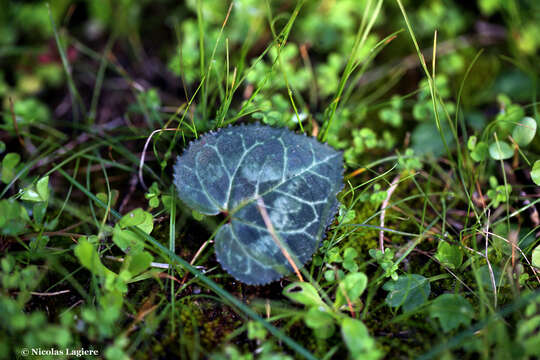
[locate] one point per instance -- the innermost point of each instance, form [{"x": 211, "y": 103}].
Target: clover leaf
[{"x": 277, "y": 187}]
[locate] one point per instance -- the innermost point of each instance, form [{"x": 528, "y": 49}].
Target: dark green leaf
[
  {"x": 487, "y": 276},
  {"x": 248, "y": 170},
  {"x": 426, "y": 138},
  {"x": 452, "y": 310},
  {"x": 408, "y": 291}
]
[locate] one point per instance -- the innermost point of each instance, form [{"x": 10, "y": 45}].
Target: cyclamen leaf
[{"x": 297, "y": 178}]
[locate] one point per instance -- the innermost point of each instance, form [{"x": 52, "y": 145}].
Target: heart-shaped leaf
[{"x": 278, "y": 187}]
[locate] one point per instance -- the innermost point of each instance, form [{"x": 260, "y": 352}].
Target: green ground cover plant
[{"x": 391, "y": 211}]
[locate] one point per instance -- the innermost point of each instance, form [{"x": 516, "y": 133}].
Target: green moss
[
  {"x": 363, "y": 238},
  {"x": 206, "y": 322}
]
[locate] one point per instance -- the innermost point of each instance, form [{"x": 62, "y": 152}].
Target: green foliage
[
  {"x": 535, "y": 172},
  {"x": 21, "y": 328},
  {"x": 303, "y": 293},
  {"x": 267, "y": 352},
  {"x": 498, "y": 193},
  {"x": 296, "y": 77},
  {"x": 535, "y": 258},
  {"x": 366, "y": 139},
  {"x": 153, "y": 196},
  {"x": 256, "y": 331},
  {"x": 89, "y": 258},
  {"x": 410, "y": 161},
  {"x": 350, "y": 288},
  {"x": 449, "y": 255},
  {"x": 358, "y": 341},
  {"x": 13, "y": 218},
  {"x": 409, "y": 292},
  {"x": 275, "y": 111},
  {"x": 452, "y": 310},
  {"x": 38, "y": 193},
  {"x": 323, "y": 319},
  {"x": 527, "y": 330},
  {"x": 9, "y": 167},
  {"x": 346, "y": 215},
  {"x": 459, "y": 134},
  {"x": 386, "y": 262},
  {"x": 28, "y": 111},
  {"x": 349, "y": 257},
  {"x": 479, "y": 149},
  {"x": 125, "y": 238}
]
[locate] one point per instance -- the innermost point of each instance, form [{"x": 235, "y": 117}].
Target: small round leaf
[
  {"x": 524, "y": 131},
  {"x": 500, "y": 150}
]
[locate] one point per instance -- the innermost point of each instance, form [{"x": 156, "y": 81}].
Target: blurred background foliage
[{"x": 157, "y": 43}]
